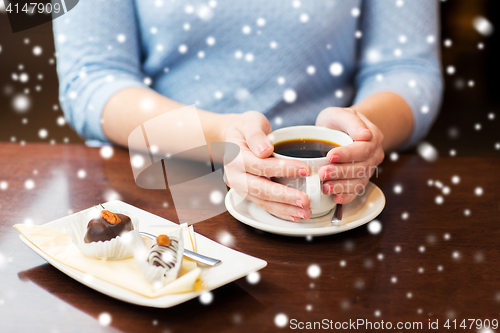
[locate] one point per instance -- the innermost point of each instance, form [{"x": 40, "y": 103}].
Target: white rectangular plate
[{"x": 234, "y": 265}]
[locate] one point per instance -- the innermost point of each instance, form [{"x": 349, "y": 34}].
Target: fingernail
[
  {"x": 263, "y": 146},
  {"x": 339, "y": 199},
  {"x": 334, "y": 158},
  {"x": 293, "y": 218},
  {"x": 362, "y": 129},
  {"x": 326, "y": 188},
  {"x": 303, "y": 172},
  {"x": 301, "y": 214},
  {"x": 299, "y": 203},
  {"x": 326, "y": 175}
]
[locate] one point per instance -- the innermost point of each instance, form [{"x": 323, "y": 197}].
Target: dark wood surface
[{"x": 35, "y": 297}]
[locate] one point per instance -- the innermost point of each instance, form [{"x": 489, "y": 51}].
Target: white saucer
[{"x": 360, "y": 211}]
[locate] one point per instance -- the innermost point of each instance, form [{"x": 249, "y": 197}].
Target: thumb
[
  {"x": 256, "y": 138},
  {"x": 347, "y": 120}
]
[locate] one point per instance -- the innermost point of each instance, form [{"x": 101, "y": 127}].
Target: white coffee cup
[{"x": 321, "y": 204}]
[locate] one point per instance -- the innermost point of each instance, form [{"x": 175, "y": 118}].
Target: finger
[
  {"x": 365, "y": 169},
  {"x": 345, "y": 186},
  {"x": 274, "y": 167},
  {"x": 347, "y": 120},
  {"x": 354, "y": 152},
  {"x": 281, "y": 210},
  {"x": 267, "y": 190},
  {"x": 344, "y": 198},
  {"x": 255, "y": 135}
]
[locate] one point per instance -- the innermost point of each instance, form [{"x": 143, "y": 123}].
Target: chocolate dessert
[
  {"x": 164, "y": 253},
  {"x": 107, "y": 226}
]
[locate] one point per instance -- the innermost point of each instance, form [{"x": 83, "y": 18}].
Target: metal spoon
[
  {"x": 337, "y": 215},
  {"x": 190, "y": 254}
]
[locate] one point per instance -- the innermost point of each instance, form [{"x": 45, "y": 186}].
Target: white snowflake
[
  {"x": 216, "y": 197},
  {"x": 427, "y": 151},
  {"x": 482, "y": 25},
  {"x": 204, "y": 12},
  {"x": 218, "y": 95},
  {"x": 289, "y": 96},
  {"x": 281, "y": 319},
  {"x": 29, "y": 184},
  {"x": 210, "y": 41},
  {"x": 253, "y": 278},
  {"x": 336, "y": 69},
  {"x": 311, "y": 70},
  {"x": 43, "y": 133},
  {"x": 21, "y": 103},
  {"x": 137, "y": 161},
  {"x": 246, "y": 29},
  {"x": 225, "y": 238},
  {"x": 375, "y": 227},
  {"x": 4, "y": 185},
  {"x": 106, "y": 152},
  {"x": 314, "y": 271},
  {"x": 206, "y": 298},
  {"x": 37, "y": 50},
  {"x": 121, "y": 38}
]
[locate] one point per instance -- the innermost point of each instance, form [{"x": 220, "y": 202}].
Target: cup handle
[{"x": 313, "y": 190}]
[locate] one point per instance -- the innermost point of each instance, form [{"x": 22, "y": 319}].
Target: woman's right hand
[{"x": 249, "y": 131}]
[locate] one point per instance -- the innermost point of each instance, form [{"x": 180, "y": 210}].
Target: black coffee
[{"x": 304, "y": 148}]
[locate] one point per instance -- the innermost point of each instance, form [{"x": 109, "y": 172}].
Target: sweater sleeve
[
  {"x": 399, "y": 53},
  {"x": 98, "y": 54}
]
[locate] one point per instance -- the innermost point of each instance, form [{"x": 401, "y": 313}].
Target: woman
[{"x": 370, "y": 68}]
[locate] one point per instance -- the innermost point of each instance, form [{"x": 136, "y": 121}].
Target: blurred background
[{"x": 467, "y": 125}]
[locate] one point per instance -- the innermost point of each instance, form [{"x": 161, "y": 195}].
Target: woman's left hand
[{"x": 354, "y": 164}]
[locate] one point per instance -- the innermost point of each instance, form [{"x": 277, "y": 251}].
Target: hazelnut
[
  {"x": 110, "y": 217},
  {"x": 163, "y": 240}
]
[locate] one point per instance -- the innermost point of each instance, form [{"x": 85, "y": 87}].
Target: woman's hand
[
  {"x": 352, "y": 165},
  {"x": 249, "y": 131}
]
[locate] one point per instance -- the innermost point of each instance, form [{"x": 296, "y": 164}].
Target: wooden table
[{"x": 430, "y": 261}]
